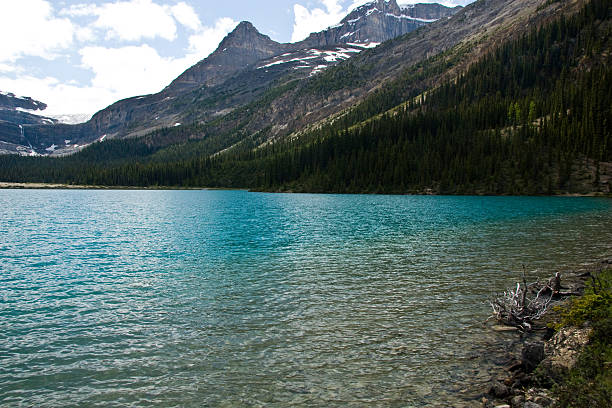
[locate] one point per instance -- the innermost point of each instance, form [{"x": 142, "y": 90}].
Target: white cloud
[
  {"x": 136, "y": 70},
  {"x": 309, "y": 21},
  {"x": 118, "y": 73},
  {"x": 79, "y": 10},
  {"x": 8, "y": 68},
  {"x": 29, "y": 28},
  {"x": 208, "y": 38},
  {"x": 186, "y": 15},
  {"x": 61, "y": 97},
  {"x": 130, "y": 71},
  {"x": 131, "y": 20},
  {"x": 85, "y": 34}
]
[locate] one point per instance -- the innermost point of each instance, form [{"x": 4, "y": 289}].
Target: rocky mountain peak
[
  {"x": 245, "y": 58},
  {"x": 379, "y": 21},
  {"x": 242, "y": 47},
  {"x": 245, "y": 27},
  {"x": 377, "y": 6},
  {"x": 243, "y": 31},
  {"x": 246, "y": 38},
  {"x": 9, "y": 100}
]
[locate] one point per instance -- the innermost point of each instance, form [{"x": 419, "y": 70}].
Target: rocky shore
[
  {"x": 546, "y": 355},
  {"x": 57, "y": 186}
]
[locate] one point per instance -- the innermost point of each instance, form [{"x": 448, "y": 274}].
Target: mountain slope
[
  {"x": 208, "y": 90},
  {"x": 528, "y": 113},
  {"x": 532, "y": 116},
  {"x": 455, "y": 42},
  {"x": 15, "y": 113}
]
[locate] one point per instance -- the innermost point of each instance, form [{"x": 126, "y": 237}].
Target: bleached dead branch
[{"x": 519, "y": 307}]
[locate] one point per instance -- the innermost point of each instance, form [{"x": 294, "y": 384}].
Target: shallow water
[{"x": 230, "y": 298}]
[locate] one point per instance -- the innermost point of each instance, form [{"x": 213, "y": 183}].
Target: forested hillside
[
  {"x": 533, "y": 116},
  {"x": 519, "y": 121}
]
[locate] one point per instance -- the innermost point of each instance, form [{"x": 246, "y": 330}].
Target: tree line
[{"x": 518, "y": 121}]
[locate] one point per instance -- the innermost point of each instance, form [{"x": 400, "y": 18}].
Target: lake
[{"x": 230, "y": 298}]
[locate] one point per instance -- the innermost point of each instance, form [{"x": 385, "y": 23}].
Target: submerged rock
[
  {"x": 530, "y": 404},
  {"x": 518, "y": 401},
  {"x": 499, "y": 390},
  {"x": 531, "y": 355},
  {"x": 538, "y": 397}
]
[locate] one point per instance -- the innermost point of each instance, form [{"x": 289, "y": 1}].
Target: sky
[{"x": 80, "y": 56}]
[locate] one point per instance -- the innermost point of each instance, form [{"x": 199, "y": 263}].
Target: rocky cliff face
[
  {"x": 17, "y": 113},
  {"x": 429, "y": 11},
  {"x": 379, "y": 21},
  {"x": 240, "y": 49},
  {"x": 9, "y": 100}
]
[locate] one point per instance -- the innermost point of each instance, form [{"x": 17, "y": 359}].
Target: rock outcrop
[
  {"x": 239, "y": 50},
  {"x": 16, "y": 114},
  {"x": 562, "y": 351},
  {"x": 9, "y": 100},
  {"x": 379, "y": 21}
]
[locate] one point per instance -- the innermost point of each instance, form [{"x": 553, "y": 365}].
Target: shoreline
[
  {"x": 58, "y": 186},
  {"x": 517, "y": 381},
  {"x": 5, "y": 185}
]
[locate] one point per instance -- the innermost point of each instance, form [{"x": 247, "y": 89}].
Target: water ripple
[{"x": 217, "y": 298}]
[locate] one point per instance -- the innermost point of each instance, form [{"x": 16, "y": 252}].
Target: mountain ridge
[
  {"x": 378, "y": 21},
  {"x": 514, "y": 102},
  {"x": 240, "y": 50}
]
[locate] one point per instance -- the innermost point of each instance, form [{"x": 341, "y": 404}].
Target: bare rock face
[
  {"x": 17, "y": 114},
  {"x": 242, "y": 47},
  {"x": 563, "y": 349},
  {"x": 379, "y": 21},
  {"x": 10, "y": 101},
  {"x": 430, "y": 11}
]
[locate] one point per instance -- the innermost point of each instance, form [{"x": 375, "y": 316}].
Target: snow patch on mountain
[
  {"x": 71, "y": 119},
  {"x": 306, "y": 58}
]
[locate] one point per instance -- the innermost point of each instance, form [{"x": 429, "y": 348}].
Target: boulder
[
  {"x": 538, "y": 397},
  {"x": 517, "y": 401},
  {"x": 531, "y": 355},
  {"x": 562, "y": 351},
  {"x": 499, "y": 390}
]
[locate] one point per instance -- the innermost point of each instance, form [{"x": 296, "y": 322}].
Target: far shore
[
  {"x": 60, "y": 186},
  {"x": 54, "y": 186}
]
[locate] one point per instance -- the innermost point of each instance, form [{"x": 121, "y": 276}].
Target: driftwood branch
[{"x": 528, "y": 302}]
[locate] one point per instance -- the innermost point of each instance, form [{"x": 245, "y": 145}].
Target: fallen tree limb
[{"x": 519, "y": 308}]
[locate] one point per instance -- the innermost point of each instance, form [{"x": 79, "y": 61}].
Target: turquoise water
[{"x": 230, "y": 298}]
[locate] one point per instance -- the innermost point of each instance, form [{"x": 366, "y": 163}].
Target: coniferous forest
[{"x": 530, "y": 117}]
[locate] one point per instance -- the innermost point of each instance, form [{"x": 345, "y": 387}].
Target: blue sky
[{"x": 79, "y": 56}]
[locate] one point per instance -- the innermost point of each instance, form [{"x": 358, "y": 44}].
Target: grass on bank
[{"x": 589, "y": 383}]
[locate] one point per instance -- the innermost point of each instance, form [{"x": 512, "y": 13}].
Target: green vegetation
[
  {"x": 522, "y": 120},
  {"x": 594, "y": 305},
  {"x": 589, "y": 383}
]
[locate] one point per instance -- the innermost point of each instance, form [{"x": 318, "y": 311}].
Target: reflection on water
[{"x": 229, "y": 298}]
